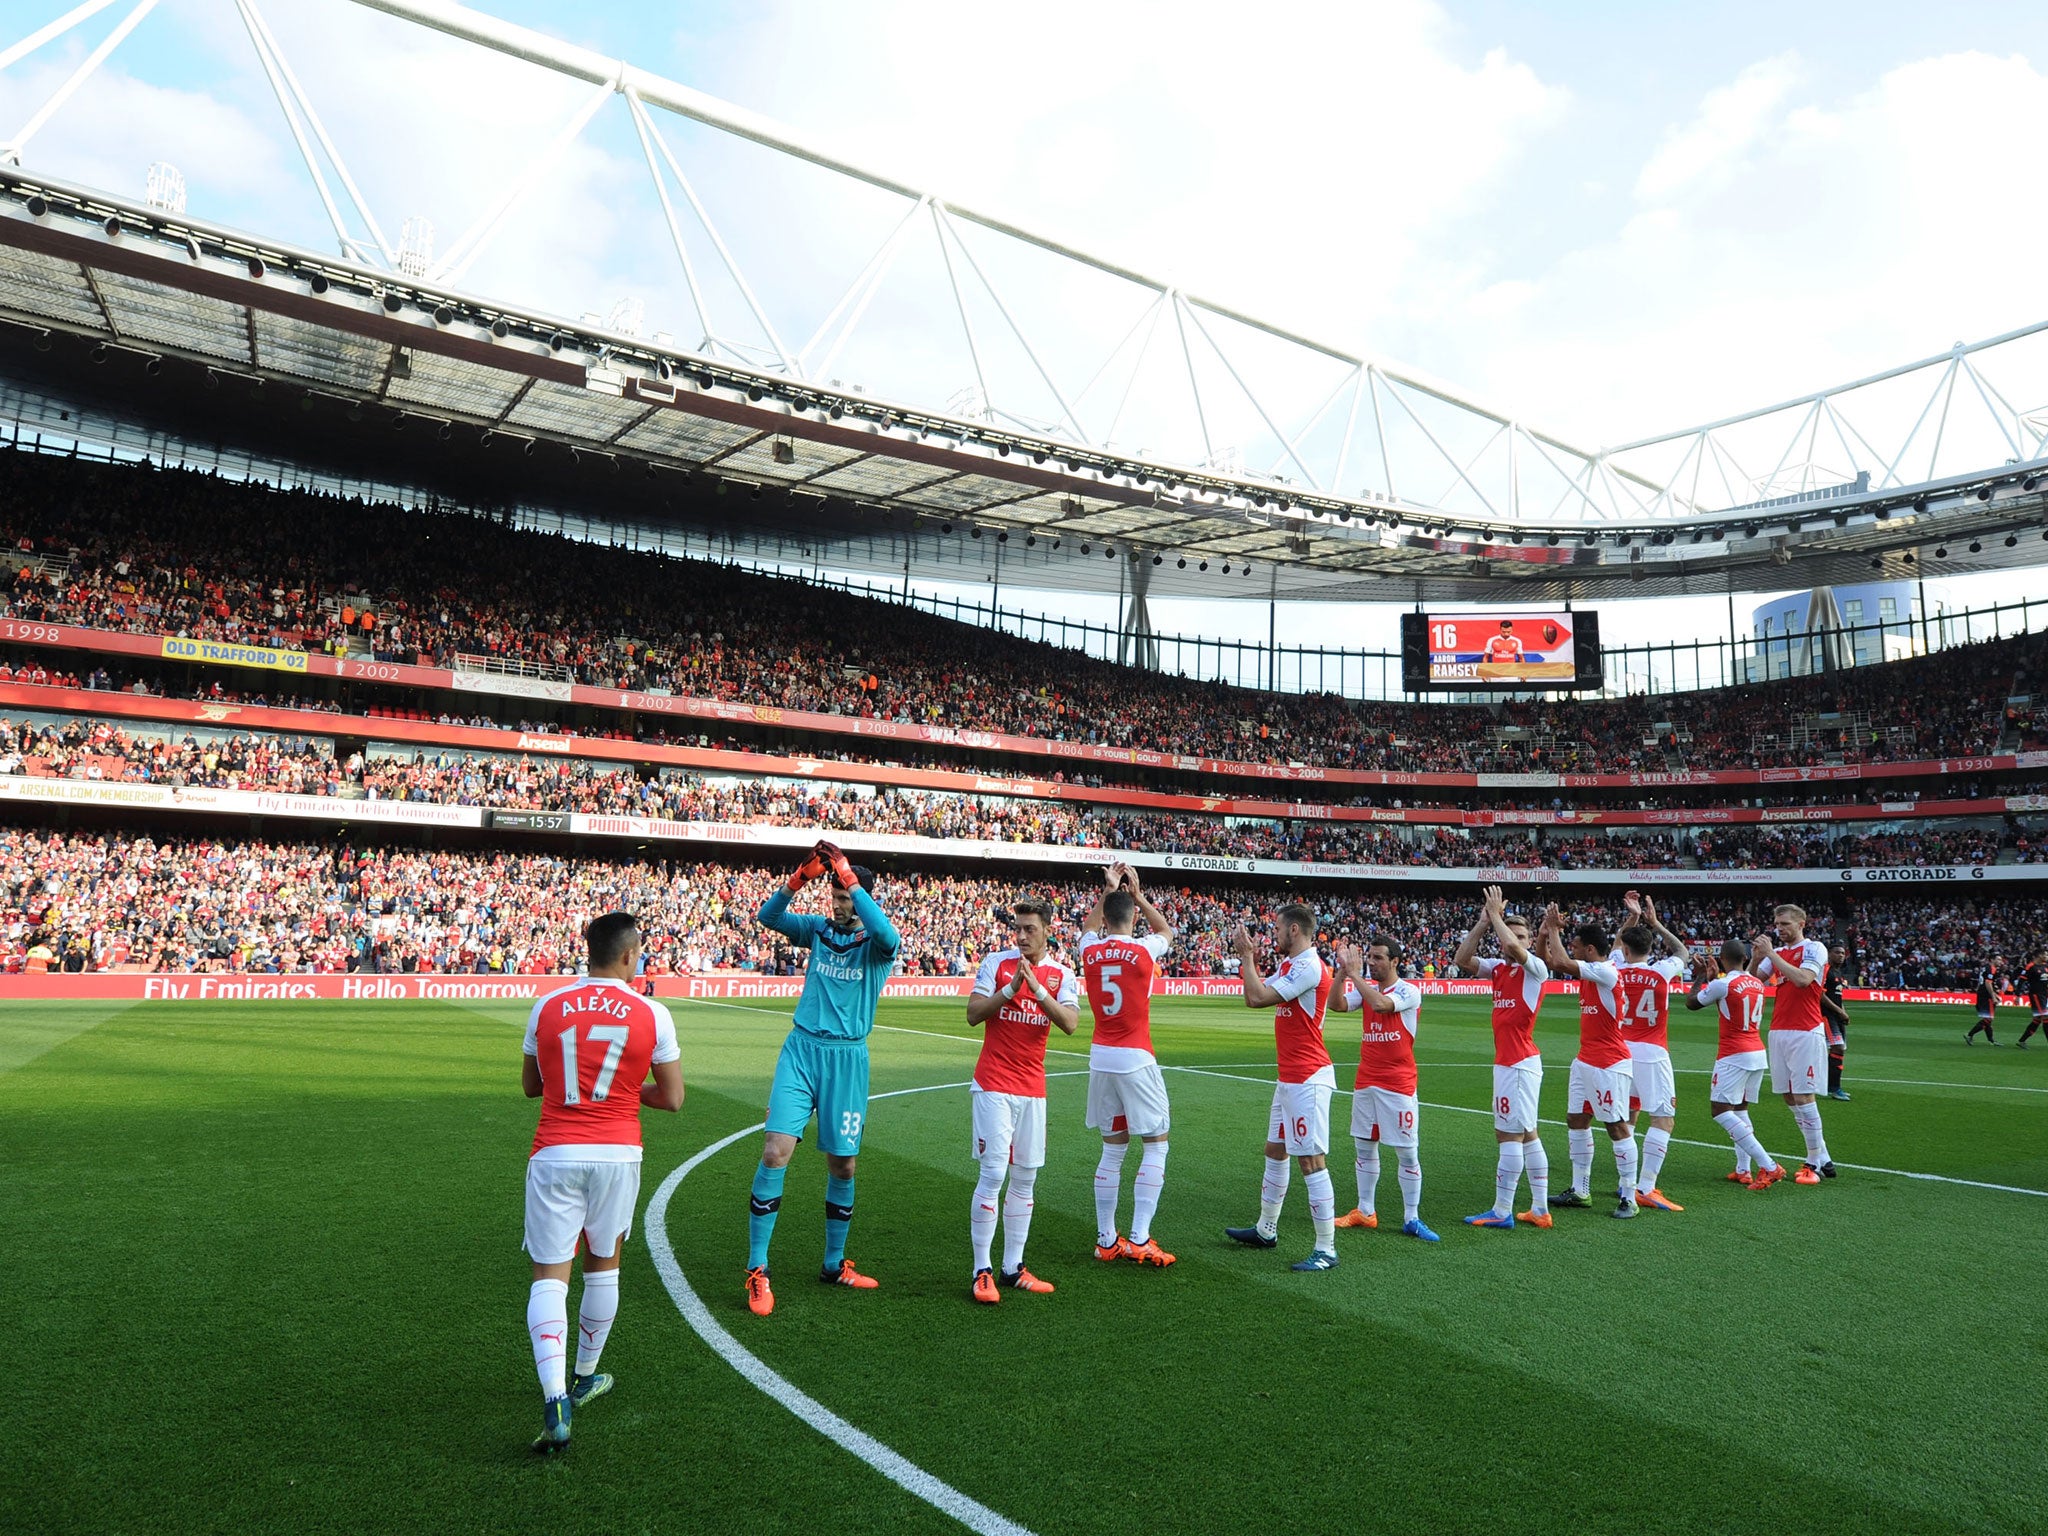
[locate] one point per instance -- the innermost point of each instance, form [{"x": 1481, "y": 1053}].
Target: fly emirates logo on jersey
[{"x": 1013, "y": 1046}]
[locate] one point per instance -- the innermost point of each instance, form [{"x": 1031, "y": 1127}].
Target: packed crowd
[
  {"x": 80, "y": 748},
  {"x": 174, "y": 552},
  {"x": 74, "y": 900}
]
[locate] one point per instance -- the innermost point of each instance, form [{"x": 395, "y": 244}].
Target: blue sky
[{"x": 1609, "y": 218}]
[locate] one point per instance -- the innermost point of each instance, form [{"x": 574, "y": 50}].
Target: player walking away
[
  {"x": 589, "y": 1051},
  {"x": 1645, "y": 1020},
  {"x": 1019, "y": 993},
  {"x": 1837, "y": 1012},
  {"x": 1987, "y": 1005},
  {"x": 1739, "y": 1058},
  {"x": 1601, "y": 1083},
  {"x": 1126, "y": 1089},
  {"x": 1798, "y": 1051},
  {"x": 2034, "y": 982},
  {"x": 1383, "y": 1102},
  {"x": 1299, "y": 1125},
  {"x": 823, "y": 1068},
  {"x": 1517, "y": 976}
]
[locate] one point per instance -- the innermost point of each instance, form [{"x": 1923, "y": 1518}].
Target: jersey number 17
[{"x": 613, "y": 1038}]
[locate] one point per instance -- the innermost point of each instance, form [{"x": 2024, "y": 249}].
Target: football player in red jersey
[
  {"x": 1517, "y": 975},
  {"x": 1019, "y": 994},
  {"x": 1126, "y": 1089},
  {"x": 1299, "y": 1123},
  {"x": 1797, "y": 1043},
  {"x": 1739, "y": 1057},
  {"x": 589, "y": 1052}
]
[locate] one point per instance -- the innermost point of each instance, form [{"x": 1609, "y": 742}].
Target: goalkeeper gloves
[
  {"x": 806, "y": 872},
  {"x": 836, "y": 861}
]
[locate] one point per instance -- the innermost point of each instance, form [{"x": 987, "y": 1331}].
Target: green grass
[{"x": 265, "y": 1272}]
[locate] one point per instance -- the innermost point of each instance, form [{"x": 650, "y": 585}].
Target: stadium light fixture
[
  {"x": 1976, "y": 548},
  {"x": 1203, "y": 566},
  {"x": 1055, "y": 543},
  {"x": 501, "y": 328},
  {"x": 1920, "y": 505},
  {"x": 1983, "y": 493},
  {"x": 447, "y": 430},
  {"x": 531, "y": 443},
  {"x": 1108, "y": 553},
  {"x": 1226, "y": 570},
  {"x": 1159, "y": 559},
  {"x": 393, "y": 301},
  {"x": 99, "y": 352},
  {"x": 316, "y": 282},
  {"x": 1941, "y": 553},
  {"x": 1030, "y": 539},
  {"x": 974, "y": 533},
  {"x": 113, "y": 226},
  {"x": 1551, "y": 539},
  {"x": 557, "y": 341},
  {"x": 40, "y": 341},
  {"x": 256, "y": 268},
  {"x": 2030, "y": 482},
  {"x": 444, "y": 314},
  {"x": 155, "y": 366},
  {"x": 945, "y": 527},
  {"x": 37, "y": 206},
  {"x": 784, "y": 451},
  {"x": 1003, "y": 537},
  {"x": 1181, "y": 563},
  {"x": 1087, "y": 549},
  {"x": 2011, "y": 539}
]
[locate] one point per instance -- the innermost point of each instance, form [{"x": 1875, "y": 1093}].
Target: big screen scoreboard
[{"x": 1500, "y": 651}]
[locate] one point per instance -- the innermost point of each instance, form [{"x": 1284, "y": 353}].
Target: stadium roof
[{"x": 515, "y": 406}]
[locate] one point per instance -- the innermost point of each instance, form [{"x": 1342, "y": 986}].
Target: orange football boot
[
  {"x": 1737, "y": 1176},
  {"x": 1807, "y": 1174},
  {"x": 985, "y": 1287},
  {"x": 1021, "y": 1279},
  {"x": 1358, "y": 1218},
  {"x": 1122, "y": 1248},
  {"x": 1147, "y": 1252},
  {"x": 849, "y": 1276},
  {"x": 1764, "y": 1178},
  {"x": 760, "y": 1299},
  {"x": 1656, "y": 1200},
  {"x": 1535, "y": 1219}
]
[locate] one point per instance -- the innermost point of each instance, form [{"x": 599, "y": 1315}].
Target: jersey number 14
[{"x": 613, "y": 1038}]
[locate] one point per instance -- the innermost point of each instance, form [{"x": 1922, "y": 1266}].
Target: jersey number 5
[
  {"x": 613, "y": 1038},
  {"x": 1113, "y": 993}
]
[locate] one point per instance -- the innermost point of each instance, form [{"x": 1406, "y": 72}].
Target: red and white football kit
[
  {"x": 1739, "y": 1059},
  {"x": 1600, "y": 1082},
  {"x": 1126, "y": 1089},
  {"x": 1300, "y": 1118},
  {"x": 1798, "y": 1044},
  {"x": 1645, "y": 1024},
  {"x": 1503, "y": 648},
  {"x": 1008, "y": 1092},
  {"x": 1517, "y": 1068},
  {"x": 1383, "y": 1102},
  {"x": 594, "y": 1043}
]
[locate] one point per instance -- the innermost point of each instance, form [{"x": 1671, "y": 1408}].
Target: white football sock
[
  {"x": 1808, "y": 1118},
  {"x": 1017, "y": 1204},
  {"x": 981, "y": 1222},
  {"x": 1655, "y": 1144},
  {"x": 1271, "y": 1195},
  {"x": 1625, "y": 1167},
  {"x": 1322, "y": 1209},
  {"x": 547, "y": 1326},
  {"x": 1580, "y": 1144},
  {"x": 1748, "y": 1149},
  {"x": 1368, "y": 1175},
  {"x": 1506, "y": 1176},
  {"x": 1408, "y": 1169},
  {"x": 599, "y": 1306},
  {"x": 1146, "y": 1186},
  {"x": 1109, "y": 1179},
  {"x": 1536, "y": 1163}
]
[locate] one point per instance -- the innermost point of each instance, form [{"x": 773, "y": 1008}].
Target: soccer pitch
[{"x": 267, "y": 1261}]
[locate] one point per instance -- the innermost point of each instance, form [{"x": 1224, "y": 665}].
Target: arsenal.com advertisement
[{"x": 726, "y": 987}]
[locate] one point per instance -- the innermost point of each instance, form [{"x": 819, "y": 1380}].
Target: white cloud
[{"x": 1729, "y": 123}]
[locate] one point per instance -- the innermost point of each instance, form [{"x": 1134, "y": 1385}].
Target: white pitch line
[
  {"x": 1711, "y": 1146},
  {"x": 906, "y": 1474}
]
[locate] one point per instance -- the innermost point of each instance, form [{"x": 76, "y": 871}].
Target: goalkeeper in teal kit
[{"x": 824, "y": 1063}]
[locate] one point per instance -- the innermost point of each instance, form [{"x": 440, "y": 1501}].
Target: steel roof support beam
[
  {"x": 717, "y": 242},
  {"x": 53, "y": 31},
  {"x": 10, "y": 152},
  {"x": 960, "y": 303},
  {"x": 1224, "y": 357},
  {"x": 1015, "y": 330},
  {"x": 1194, "y": 384},
  {"x": 253, "y": 19},
  {"x": 479, "y": 235},
  {"x": 668, "y": 213},
  {"x": 866, "y": 284}
]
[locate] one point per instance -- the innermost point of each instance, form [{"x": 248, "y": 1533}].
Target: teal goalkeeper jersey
[{"x": 848, "y": 965}]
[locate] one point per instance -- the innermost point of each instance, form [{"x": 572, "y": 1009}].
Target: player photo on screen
[{"x": 1500, "y": 648}]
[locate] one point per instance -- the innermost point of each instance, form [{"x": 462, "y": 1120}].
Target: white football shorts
[
  {"x": 565, "y": 1199},
  {"x": 1515, "y": 1091},
  {"x": 1654, "y": 1086},
  {"x": 1128, "y": 1101},
  {"x": 1383, "y": 1116},
  {"x": 1738, "y": 1079},
  {"x": 1009, "y": 1126},
  {"x": 1602, "y": 1092},
  {"x": 1301, "y": 1118},
  {"x": 1799, "y": 1061}
]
